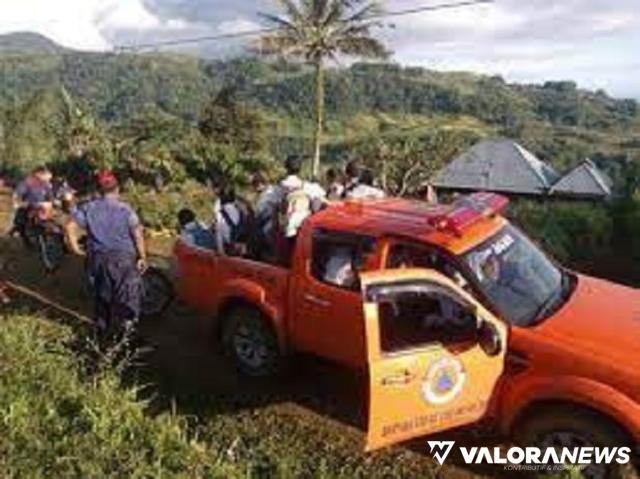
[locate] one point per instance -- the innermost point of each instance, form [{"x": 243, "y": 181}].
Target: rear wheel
[
  {"x": 576, "y": 427},
  {"x": 250, "y": 341}
]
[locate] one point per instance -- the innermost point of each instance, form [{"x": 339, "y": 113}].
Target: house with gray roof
[
  {"x": 501, "y": 166},
  {"x": 584, "y": 181},
  {"x": 504, "y": 166}
]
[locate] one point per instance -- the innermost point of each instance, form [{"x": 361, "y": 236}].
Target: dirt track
[{"x": 321, "y": 403}]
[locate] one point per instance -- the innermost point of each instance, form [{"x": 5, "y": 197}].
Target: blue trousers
[{"x": 117, "y": 288}]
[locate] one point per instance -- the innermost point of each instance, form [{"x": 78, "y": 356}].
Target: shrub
[
  {"x": 159, "y": 210},
  {"x": 573, "y": 232},
  {"x": 54, "y": 423}
]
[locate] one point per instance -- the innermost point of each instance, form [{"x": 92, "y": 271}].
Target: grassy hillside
[
  {"x": 55, "y": 421},
  {"x": 28, "y": 42},
  {"x": 557, "y": 120}
]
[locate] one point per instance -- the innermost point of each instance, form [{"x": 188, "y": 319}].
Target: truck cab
[{"x": 452, "y": 312}]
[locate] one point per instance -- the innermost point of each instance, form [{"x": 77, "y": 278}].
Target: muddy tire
[
  {"x": 251, "y": 343},
  {"x": 576, "y": 427},
  {"x": 51, "y": 249}
]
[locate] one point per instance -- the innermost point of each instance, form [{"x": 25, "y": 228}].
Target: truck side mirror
[{"x": 489, "y": 338}]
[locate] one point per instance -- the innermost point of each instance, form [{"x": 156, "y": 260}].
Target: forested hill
[
  {"x": 361, "y": 99},
  {"x": 116, "y": 85},
  {"x": 27, "y": 42}
]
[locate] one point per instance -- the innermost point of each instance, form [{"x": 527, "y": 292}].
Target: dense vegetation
[
  {"x": 169, "y": 122},
  {"x": 84, "y": 415},
  {"x": 117, "y": 91},
  {"x": 56, "y": 420}
]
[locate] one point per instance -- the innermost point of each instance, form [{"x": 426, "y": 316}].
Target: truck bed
[{"x": 207, "y": 280}]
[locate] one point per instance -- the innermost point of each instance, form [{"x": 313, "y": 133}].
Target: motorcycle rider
[{"x": 35, "y": 191}]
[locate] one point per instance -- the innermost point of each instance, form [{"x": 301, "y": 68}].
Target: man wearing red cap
[{"x": 116, "y": 254}]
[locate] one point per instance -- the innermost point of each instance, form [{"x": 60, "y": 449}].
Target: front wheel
[
  {"x": 568, "y": 427},
  {"x": 157, "y": 293},
  {"x": 250, "y": 341},
  {"x": 52, "y": 250}
]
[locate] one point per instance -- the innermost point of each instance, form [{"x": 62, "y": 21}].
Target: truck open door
[{"x": 435, "y": 355}]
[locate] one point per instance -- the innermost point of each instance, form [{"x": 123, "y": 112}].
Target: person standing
[
  {"x": 300, "y": 198},
  {"x": 352, "y": 171},
  {"x": 335, "y": 184},
  {"x": 266, "y": 212},
  {"x": 234, "y": 223},
  {"x": 365, "y": 189},
  {"x": 116, "y": 255}
]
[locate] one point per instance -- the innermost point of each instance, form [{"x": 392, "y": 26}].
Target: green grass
[{"x": 57, "y": 422}]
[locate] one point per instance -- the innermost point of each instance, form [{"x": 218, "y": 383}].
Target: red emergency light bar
[{"x": 469, "y": 210}]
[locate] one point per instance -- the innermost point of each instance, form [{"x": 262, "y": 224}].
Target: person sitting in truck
[
  {"x": 195, "y": 232},
  {"x": 234, "y": 220},
  {"x": 365, "y": 189},
  {"x": 339, "y": 269}
]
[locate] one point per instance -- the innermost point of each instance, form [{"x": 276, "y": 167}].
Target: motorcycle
[{"x": 40, "y": 230}]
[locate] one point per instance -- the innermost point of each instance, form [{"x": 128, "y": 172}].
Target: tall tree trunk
[{"x": 319, "y": 117}]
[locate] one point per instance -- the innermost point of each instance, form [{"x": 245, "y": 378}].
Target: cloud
[
  {"x": 591, "y": 41},
  {"x": 69, "y": 23},
  {"x": 82, "y": 24},
  {"x": 209, "y": 11}
]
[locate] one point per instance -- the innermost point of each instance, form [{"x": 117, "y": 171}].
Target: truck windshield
[{"x": 517, "y": 277}]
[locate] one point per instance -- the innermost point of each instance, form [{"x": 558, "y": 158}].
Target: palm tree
[{"x": 317, "y": 30}]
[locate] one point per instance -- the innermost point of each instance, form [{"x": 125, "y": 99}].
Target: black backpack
[{"x": 240, "y": 230}]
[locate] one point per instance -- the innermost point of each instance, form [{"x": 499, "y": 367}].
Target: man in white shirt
[
  {"x": 339, "y": 269},
  {"x": 365, "y": 189},
  {"x": 231, "y": 217}
]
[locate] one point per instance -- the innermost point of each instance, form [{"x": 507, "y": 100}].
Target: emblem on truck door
[{"x": 444, "y": 381}]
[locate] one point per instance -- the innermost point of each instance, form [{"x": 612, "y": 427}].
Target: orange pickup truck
[{"x": 452, "y": 311}]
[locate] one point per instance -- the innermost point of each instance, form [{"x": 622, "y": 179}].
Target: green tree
[
  {"x": 84, "y": 135},
  {"x": 318, "y": 30},
  {"x": 405, "y": 163},
  {"x": 33, "y": 131},
  {"x": 229, "y": 143},
  {"x": 145, "y": 148}
]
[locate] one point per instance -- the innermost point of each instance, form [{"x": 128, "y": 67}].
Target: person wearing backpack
[
  {"x": 233, "y": 223},
  {"x": 299, "y": 200}
]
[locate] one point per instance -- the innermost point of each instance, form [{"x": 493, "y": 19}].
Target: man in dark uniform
[{"x": 116, "y": 255}]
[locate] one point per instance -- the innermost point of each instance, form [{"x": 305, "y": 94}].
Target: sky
[{"x": 593, "y": 42}]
